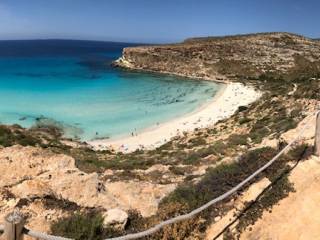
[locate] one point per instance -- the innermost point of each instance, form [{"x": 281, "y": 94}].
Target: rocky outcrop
[
  {"x": 295, "y": 217},
  {"x": 46, "y": 186},
  {"x": 143, "y": 196},
  {"x": 30, "y": 176},
  {"x": 219, "y": 58}
]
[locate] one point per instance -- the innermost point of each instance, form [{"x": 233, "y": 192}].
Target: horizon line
[{"x": 157, "y": 42}]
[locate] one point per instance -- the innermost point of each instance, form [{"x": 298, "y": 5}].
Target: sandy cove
[{"x": 223, "y": 105}]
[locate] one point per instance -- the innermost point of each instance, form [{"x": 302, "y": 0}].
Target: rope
[
  {"x": 39, "y": 235},
  {"x": 207, "y": 205},
  {"x": 180, "y": 218}
]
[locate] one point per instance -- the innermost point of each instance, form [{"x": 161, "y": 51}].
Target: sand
[{"x": 222, "y": 106}]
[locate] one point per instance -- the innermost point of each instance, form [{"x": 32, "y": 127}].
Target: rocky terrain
[
  {"x": 222, "y": 58},
  {"x": 66, "y": 188},
  {"x": 296, "y": 215},
  {"x": 44, "y": 185}
]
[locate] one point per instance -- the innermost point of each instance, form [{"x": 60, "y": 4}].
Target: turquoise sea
[{"x": 71, "y": 85}]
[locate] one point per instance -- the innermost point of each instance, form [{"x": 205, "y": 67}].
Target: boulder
[
  {"x": 116, "y": 218},
  {"x": 32, "y": 189},
  {"x": 139, "y": 195}
]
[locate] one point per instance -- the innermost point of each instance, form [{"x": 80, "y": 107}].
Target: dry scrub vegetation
[{"x": 227, "y": 152}]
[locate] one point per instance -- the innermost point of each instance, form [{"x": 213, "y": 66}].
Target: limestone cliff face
[
  {"x": 219, "y": 58},
  {"x": 46, "y": 186}
]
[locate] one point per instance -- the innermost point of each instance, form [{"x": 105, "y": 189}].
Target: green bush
[
  {"x": 219, "y": 147},
  {"x": 298, "y": 152},
  {"x": 6, "y": 139},
  {"x": 196, "y": 156},
  {"x": 10, "y": 137},
  {"x": 81, "y": 226},
  {"x": 220, "y": 179},
  {"x": 257, "y": 135},
  {"x": 192, "y": 158},
  {"x": 285, "y": 125},
  {"x": 177, "y": 170},
  {"x": 88, "y": 160},
  {"x": 244, "y": 120},
  {"x": 237, "y": 139},
  {"x": 197, "y": 141}
]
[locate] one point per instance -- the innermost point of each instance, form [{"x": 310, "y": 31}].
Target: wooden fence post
[
  {"x": 317, "y": 136},
  {"x": 13, "y": 226}
]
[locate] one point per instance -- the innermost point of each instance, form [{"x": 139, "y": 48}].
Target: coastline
[
  {"x": 223, "y": 105},
  {"x": 127, "y": 66}
]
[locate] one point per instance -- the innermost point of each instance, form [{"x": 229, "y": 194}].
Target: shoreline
[
  {"x": 223, "y": 105},
  {"x": 127, "y": 66}
]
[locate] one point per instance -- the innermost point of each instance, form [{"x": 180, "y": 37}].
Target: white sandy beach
[{"x": 223, "y": 105}]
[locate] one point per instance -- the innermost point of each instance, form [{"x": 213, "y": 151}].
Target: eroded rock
[
  {"x": 116, "y": 218},
  {"x": 31, "y": 175}
]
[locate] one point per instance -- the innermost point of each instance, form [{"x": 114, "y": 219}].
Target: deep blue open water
[{"x": 71, "y": 85}]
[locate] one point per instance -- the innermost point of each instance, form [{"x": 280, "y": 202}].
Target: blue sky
[{"x": 154, "y": 20}]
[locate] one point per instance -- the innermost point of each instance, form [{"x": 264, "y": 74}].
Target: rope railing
[
  {"x": 180, "y": 218},
  {"x": 207, "y": 205},
  {"x": 44, "y": 236}
]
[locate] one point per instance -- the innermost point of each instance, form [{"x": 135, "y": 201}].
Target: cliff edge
[{"x": 221, "y": 58}]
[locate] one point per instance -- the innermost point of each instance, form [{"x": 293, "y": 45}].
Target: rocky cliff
[
  {"x": 55, "y": 182},
  {"x": 219, "y": 58},
  {"x": 45, "y": 186}
]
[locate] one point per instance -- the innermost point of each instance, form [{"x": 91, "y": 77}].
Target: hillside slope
[
  {"x": 298, "y": 215},
  {"x": 219, "y": 58},
  {"x": 150, "y": 186}
]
